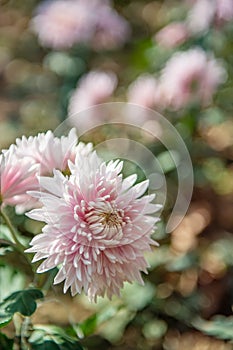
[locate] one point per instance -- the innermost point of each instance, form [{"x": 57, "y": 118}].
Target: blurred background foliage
[{"x": 187, "y": 299}]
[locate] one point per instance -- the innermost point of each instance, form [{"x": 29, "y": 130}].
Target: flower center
[
  {"x": 105, "y": 221},
  {"x": 111, "y": 218},
  {"x": 100, "y": 220}
]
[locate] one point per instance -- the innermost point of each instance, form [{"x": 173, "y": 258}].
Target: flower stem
[
  {"x": 17, "y": 245},
  {"x": 12, "y": 230}
]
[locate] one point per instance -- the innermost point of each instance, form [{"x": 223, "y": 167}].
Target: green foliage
[
  {"x": 220, "y": 327},
  {"x": 88, "y": 326},
  {"x": 46, "y": 337},
  {"x": 5, "y": 317},
  {"x": 23, "y": 301},
  {"x": 182, "y": 262},
  {"x": 5, "y": 343},
  {"x": 11, "y": 279},
  {"x": 51, "y": 345}
]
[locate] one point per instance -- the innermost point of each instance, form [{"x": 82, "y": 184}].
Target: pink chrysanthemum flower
[
  {"x": 144, "y": 91},
  {"x": 30, "y": 157},
  {"x": 224, "y": 11},
  {"x": 48, "y": 151},
  {"x": 111, "y": 31},
  {"x": 201, "y": 15},
  {"x": 98, "y": 226},
  {"x": 205, "y": 13},
  {"x": 190, "y": 76},
  {"x": 16, "y": 178},
  {"x": 172, "y": 35},
  {"x": 62, "y": 23},
  {"x": 94, "y": 88}
]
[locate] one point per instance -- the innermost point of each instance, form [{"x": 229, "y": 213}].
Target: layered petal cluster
[
  {"x": 48, "y": 151},
  {"x": 16, "y": 178},
  {"x": 22, "y": 163},
  {"x": 62, "y": 23},
  {"x": 98, "y": 226}
]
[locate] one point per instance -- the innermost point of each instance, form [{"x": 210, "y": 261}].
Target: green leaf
[
  {"x": 89, "y": 325},
  {"x": 182, "y": 262},
  {"x": 21, "y": 301},
  {"x": 11, "y": 280},
  {"x": 47, "y": 345},
  {"x": 220, "y": 327},
  {"x": 46, "y": 337},
  {"x": 5, "y": 343},
  {"x": 136, "y": 297},
  {"x": 51, "y": 345},
  {"x": 5, "y": 318}
]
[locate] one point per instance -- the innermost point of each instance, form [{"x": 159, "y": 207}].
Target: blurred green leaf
[
  {"x": 182, "y": 263},
  {"x": 5, "y": 318},
  {"x": 46, "y": 337},
  {"x": 167, "y": 160},
  {"x": 11, "y": 279},
  {"x": 51, "y": 345},
  {"x": 115, "y": 327},
  {"x": 21, "y": 301},
  {"x": 211, "y": 116},
  {"x": 5, "y": 343},
  {"x": 220, "y": 327},
  {"x": 139, "y": 56},
  {"x": 89, "y": 325},
  {"x": 136, "y": 297},
  {"x": 63, "y": 64},
  {"x": 5, "y": 233}
]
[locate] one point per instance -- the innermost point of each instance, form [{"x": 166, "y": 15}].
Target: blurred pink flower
[
  {"x": 224, "y": 11},
  {"x": 111, "y": 31},
  {"x": 143, "y": 91},
  {"x": 173, "y": 35},
  {"x": 190, "y": 76},
  {"x": 16, "y": 178},
  {"x": 62, "y": 23},
  {"x": 48, "y": 151},
  {"x": 93, "y": 88},
  {"x": 98, "y": 226},
  {"x": 205, "y": 12},
  {"x": 200, "y": 16}
]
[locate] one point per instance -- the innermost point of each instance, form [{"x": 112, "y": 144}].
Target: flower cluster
[
  {"x": 187, "y": 77},
  {"x": 97, "y": 224},
  {"x": 202, "y": 15},
  {"x": 191, "y": 76},
  {"x": 62, "y": 23}
]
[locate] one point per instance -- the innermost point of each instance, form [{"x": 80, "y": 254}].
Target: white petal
[{"x": 128, "y": 182}]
